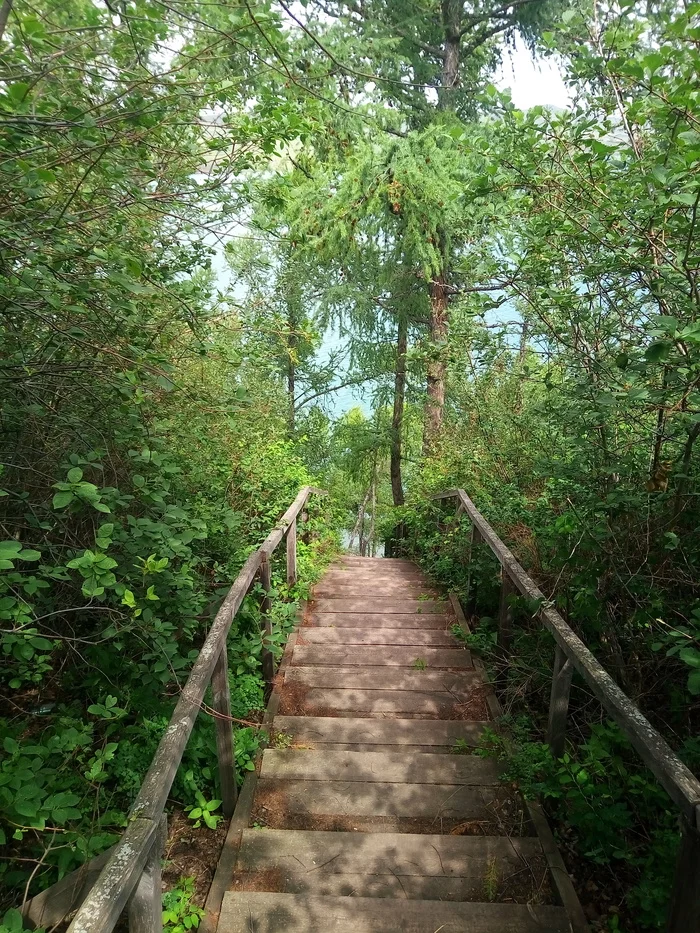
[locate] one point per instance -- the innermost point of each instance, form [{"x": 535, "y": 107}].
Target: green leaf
[
  {"x": 62, "y": 499},
  {"x": 694, "y": 683},
  {"x": 75, "y": 475},
  {"x": 657, "y": 351},
  {"x": 9, "y": 550}
]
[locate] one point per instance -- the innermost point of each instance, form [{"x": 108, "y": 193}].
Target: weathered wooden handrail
[
  {"x": 131, "y": 874},
  {"x": 677, "y": 780}
]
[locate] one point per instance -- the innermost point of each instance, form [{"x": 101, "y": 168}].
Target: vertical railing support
[
  {"x": 292, "y": 554},
  {"x": 559, "y": 702},
  {"x": 306, "y": 534},
  {"x": 268, "y": 659},
  {"x": 225, "y": 747},
  {"x": 684, "y": 907},
  {"x": 471, "y": 582},
  {"x": 145, "y": 906},
  {"x": 505, "y": 627}
]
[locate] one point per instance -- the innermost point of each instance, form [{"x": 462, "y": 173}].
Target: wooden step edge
[
  {"x": 264, "y": 912},
  {"x": 244, "y": 805},
  {"x": 560, "y": 876}
]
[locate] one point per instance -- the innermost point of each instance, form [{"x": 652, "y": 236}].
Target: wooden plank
[
  {"x": 145, "y": 907},
  {"x": 344, "y": 574},
  {"x": 380, "y": 798},
  {"x": 397, "y": 886},
  {"x": 384, "y": 636},
  {"x": 225, "y": 751},
  {"x": 459, "y": 684},
  {"x": 292, "y": 553},
  {"x": 240, "y": 820},
  {"x": 684, "y": 909},
  {"x": 380, "y": 620},
  {"x": 271, "y": 913},
  {"x": 561, "y": 880},
  {"x": 360, "y": 747},
  {"x": 52, "y": 906},
  {"x": 505, "y": 627},
  {"x": 399, "y": 656},
  {"x": 377, "y": 603},
  {"x": 559, "y": 702},
  {"x": 676, "y": 778},
  {"x": 428, "y": 705},
  {"x": 405, "y": 854},
  {"x": 388, "y": 767},
  {"x": 400, "y": 732},
  {"x": 355, "y": 560},
  {"x": 378, "y": 590},
  {"x": 268, "y": 658},
  {"x": 103, "y": 906}
]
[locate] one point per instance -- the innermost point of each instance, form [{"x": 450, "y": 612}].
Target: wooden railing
[
  {"x": 570, "y": 652},
  {"x": 130, "y": 875}
]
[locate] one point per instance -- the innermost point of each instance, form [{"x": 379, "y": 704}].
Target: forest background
[{"x": 514, "y": 293}]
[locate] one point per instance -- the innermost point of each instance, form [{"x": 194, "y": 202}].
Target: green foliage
[
  {"x": 179, "y": 912},
  {"x": 13, "y": 922},
  {"x": 204, "y": 811}
]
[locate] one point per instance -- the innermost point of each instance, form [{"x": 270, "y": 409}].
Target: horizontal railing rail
[
  {"x": 131, "y": 876},
  {"x": 677, "y": 780}
]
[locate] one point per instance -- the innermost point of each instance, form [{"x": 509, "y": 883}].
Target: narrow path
[{"x": 370, "y": 814}]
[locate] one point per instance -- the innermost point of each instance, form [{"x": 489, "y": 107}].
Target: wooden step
[
  {"x": 383, "y": 636},
  {"x": 378, "y": 620},
  {"x": 376, "y": 590},
  {"x": 433, "y": 802},
  {"x": 399, "y": 732},
  {"x": 355, "y": 560},
  {"x": 458, "y": 685},
  {"x": 258, "y": 912},
  {"x": 370, "y": 767},
  {"x": 376, "y": 603},
  {"x": 375, "y": 703},
  {"x": 380, "y": 655},
  {"x": 388, "y": 864},
  {"x": 344, "y": 574}
]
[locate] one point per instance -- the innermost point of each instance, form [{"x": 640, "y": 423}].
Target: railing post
[
  {"x": 225, "y": 747},
  {"x": 684, "y": 907},
  {"x": 306, "y": 534},
  {"x": 145, "y": 906},
  {"x": 505, "y": 626},
  {"x": 268, "y": 659},
  {"x": 471, "y": 583},
  {"x": 292, "y": 553},
  {"x": 559, "y": 702}
]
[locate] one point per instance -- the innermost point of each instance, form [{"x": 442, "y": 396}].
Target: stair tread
[
  {"x": 346, "y": 635},
  {"x": 380, "y": 655},
  {"x": 265, "y": 912},
  {"x": 387, "y": 767},
  {"x": 459, "y": 684},
  {"x": 379, "y": 620},
  {"x": 377, "y": 603},
  {"x": 322, "y": 729},
  {"x": 380, "y": 798}
]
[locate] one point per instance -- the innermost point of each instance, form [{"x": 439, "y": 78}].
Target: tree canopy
[{"x": 217, "y": 220}]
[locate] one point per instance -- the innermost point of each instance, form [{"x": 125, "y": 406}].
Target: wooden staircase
[{"x": 370, "y": 812}]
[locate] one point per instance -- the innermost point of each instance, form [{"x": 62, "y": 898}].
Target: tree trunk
[
  {"x": 452, "y": 25},
  {"x": 435, "y": 402},
  {"x": 5, "y": 11},
  {"x": 397, "y": 416},
  {"x": 291, "y": 371}
]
